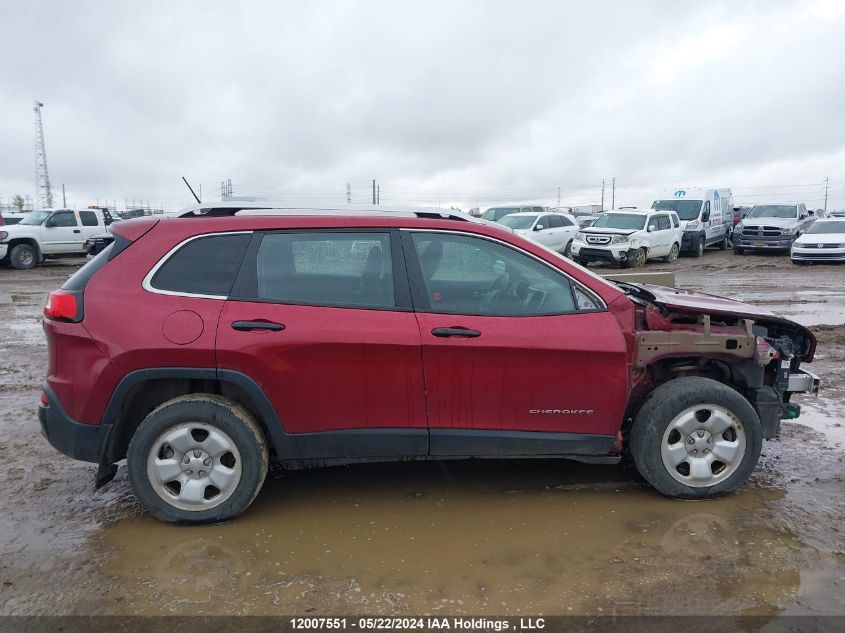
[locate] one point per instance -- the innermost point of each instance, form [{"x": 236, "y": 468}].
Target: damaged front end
[{"x": 758, "y": 353}]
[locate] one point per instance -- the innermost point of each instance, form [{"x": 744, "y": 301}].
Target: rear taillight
[{"x": 63, "y": 306}]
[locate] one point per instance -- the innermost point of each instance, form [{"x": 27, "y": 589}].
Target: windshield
[
  {"x": 518, "y": 221},
  {"x": 498, "y": 212},
  {"x": 36, "y": 217},
  {"x": 773, "y": 211},
  {"x": 686, "y": 209},
  {"x": 620, "y": 221},
  {"x": 820, "y": 226}
]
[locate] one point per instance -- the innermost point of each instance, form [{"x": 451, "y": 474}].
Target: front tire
[
  {"x": 699, "y": 250},
  {"x": 23, "y": 256},
  {"x": 638, "y": 260},
  {"x": 695, "y": 438},
  {"x": 198, "y": 458}
]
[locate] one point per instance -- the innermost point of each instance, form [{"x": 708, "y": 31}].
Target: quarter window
[
  {"x": 89, "y": 218},
  {"x": 470, "y": 275},
  {"x": 204, "y": 266},
  {"x": 326, "y": 268}
]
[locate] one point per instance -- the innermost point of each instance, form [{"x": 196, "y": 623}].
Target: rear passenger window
[
  {"x": 89, "y": 218},
  {"x": 204, "y": 266},
  {"x": 326, "y": 268}
]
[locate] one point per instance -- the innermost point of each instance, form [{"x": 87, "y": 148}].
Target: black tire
[
  {"x": 660, "y": 409},
  {"x": 699, "y": 249},
  {"x": 739, "y": 251},
  {"x": 211, "y": 411},
  {"x": 567, "y": 250},
  {"x": 673, "y": 253},
  {"x": 723, "y": 244},
  {"x": 23, "y": 257},
  {"x": 638, "y": 261}
]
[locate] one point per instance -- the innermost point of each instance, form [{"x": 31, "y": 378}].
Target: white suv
[
  {"x": 552, "y": 230},
  {"x": 629, "y": 238}
]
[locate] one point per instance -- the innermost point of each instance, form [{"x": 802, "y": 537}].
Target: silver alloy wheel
[
  {"x": 27, "y": 257},
  {"x": 673, "y": 253},
  {"x": 703, "y": 445},
  {"x": 194, "y": 466}
]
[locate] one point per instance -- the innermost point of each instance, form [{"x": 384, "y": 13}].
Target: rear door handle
[
  {"x": 247, "y": 326},
  {"x": 445, "y": 332}
]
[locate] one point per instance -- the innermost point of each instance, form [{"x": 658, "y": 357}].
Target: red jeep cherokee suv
[{"x": 200, "y": 348}]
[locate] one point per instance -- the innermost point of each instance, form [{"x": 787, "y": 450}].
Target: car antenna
[{"x": 192, "y": 190}]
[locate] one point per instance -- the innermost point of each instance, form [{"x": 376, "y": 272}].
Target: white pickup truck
[{"x": 49, "y": 233}]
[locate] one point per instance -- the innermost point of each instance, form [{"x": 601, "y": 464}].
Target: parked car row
[{"x": 687, "y": 222}]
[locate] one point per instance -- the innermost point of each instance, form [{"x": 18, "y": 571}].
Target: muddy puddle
[{"x": 515, "y": 537}]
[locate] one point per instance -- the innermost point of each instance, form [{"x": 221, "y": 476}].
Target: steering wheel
[{"x": 499, "y": 285}]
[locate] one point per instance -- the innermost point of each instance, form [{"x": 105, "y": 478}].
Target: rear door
[
  {"x": 512, "y": 365},
  {"x": 322, "y": 321},
  {"x": 91, "y": 224}
]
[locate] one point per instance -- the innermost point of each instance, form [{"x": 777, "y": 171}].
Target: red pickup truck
[{"x": 202, "y": 347}]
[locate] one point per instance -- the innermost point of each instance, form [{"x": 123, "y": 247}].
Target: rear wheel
[
  {"x": 567, "y": 250},
  {"x": 197, "y": 459},
  {"x": 23, "y": 256},
  {"x": 696, "y": 438},
  {"x": 673, "y": 254},
  {"x": 739, "y": 251}
]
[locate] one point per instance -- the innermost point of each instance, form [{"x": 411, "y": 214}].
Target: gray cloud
[{"x": 465, "y": 102}]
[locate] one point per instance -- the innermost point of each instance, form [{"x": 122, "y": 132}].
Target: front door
[
  {"x": 321, "y": 320},
  {"x": 512, "y": 366},
  {"x": 61, "y": 233}
]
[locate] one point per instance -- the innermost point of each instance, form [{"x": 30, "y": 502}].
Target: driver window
[
  {"x": 62, "y": 218},
  {"x": 475, "y": 276}
]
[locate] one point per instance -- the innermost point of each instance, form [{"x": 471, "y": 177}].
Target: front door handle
[
  {"x": 247, "y": 326},
  {"x": 76, "y": 230},
  {"x": 445, "y": 332}
]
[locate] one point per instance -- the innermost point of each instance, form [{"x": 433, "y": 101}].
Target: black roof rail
[
  {"x": 232, "y": 211},
  {"x": 433, "y": 215}
]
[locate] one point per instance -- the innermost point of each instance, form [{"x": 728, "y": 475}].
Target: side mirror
[
  {"x": 539, "y": 227},
  {"x": 705, "y": 217},
  {"x": 51, "y": 223},
  {"x": 652, "y": 227}
]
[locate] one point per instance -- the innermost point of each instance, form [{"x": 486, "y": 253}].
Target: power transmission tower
[
  {"x": 613, "y": 195},
  {"x": 374, "y": 191},
  {"x": 348, "y": 193},
  {"x": 43, "y": 192},
  {"x": 826, "y": 183}
]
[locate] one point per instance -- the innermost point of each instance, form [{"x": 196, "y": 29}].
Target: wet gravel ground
[{"x": 542, "y": 536}]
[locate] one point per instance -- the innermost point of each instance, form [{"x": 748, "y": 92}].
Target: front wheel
[
  {"x": 636, "y": 258},
  {"x": 198, "y": 458},
  {"x": 699, "y": 249},
  {"x": 23, "y": 256},
  {"x": 696, "y": 438}
]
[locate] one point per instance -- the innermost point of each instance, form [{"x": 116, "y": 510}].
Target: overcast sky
[{"x": 471, "y": 103}]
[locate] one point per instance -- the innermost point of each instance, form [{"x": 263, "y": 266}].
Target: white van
[{"x": 706, "y": 217}]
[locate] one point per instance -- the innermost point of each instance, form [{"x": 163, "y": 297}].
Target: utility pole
[
  {"x": 826, "y": 183},
  {"x": 613, "y": 195},
  {"x": 64, "y": 199},
  {"x": 602, "y": 195},
  {"x": 374, "y": 192},
  {"x": 43, "y": 192},
  {"x": 378, "y": 194},
  {"x": 558, "y": 197},
  {"x": 348, "y": 193}
]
